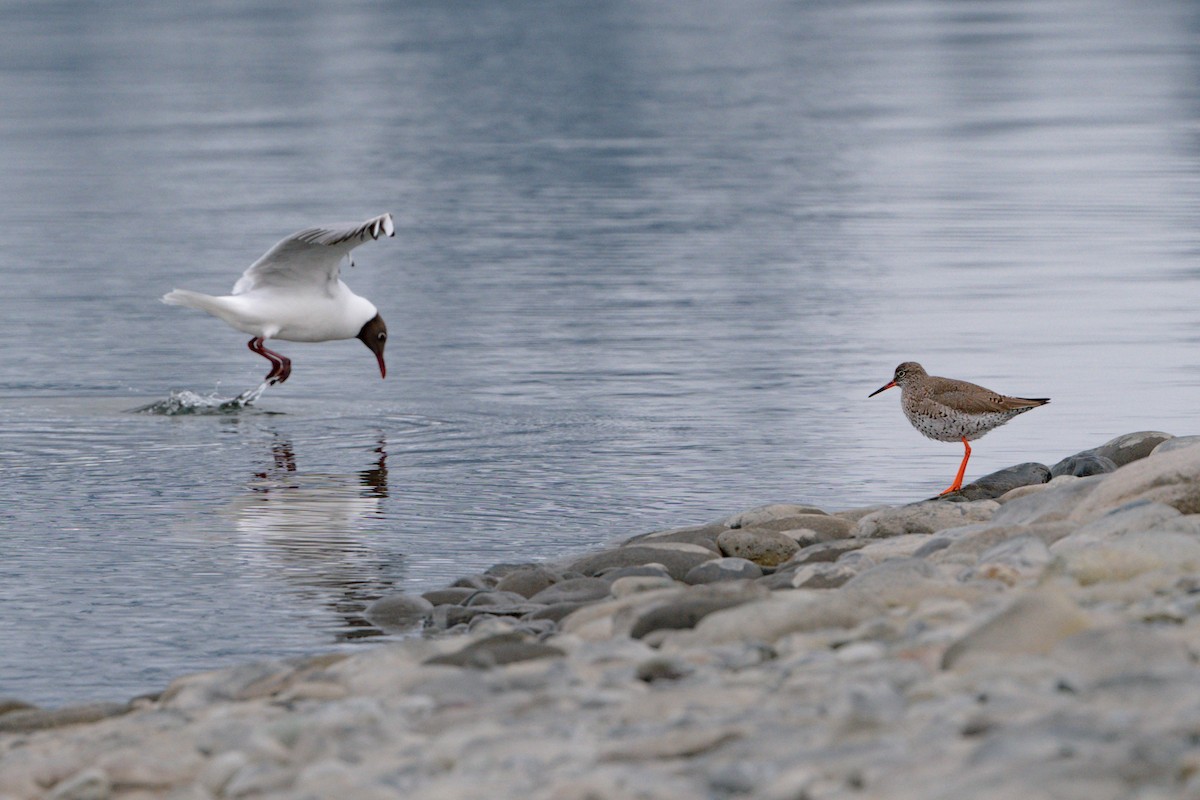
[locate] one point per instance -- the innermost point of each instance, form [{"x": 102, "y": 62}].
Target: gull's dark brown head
[{"x": 374, "y": 336}]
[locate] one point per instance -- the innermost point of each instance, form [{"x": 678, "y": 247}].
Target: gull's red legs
[{"x": 281, "y": 366}]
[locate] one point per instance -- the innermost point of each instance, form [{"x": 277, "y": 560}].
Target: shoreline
[{"x": 1037, "y": 632}]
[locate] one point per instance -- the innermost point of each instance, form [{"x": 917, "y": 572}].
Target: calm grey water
[{"x": 650, "y": 260}]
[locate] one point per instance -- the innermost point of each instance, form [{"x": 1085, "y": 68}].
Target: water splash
[{"x": 185, "y": 401}]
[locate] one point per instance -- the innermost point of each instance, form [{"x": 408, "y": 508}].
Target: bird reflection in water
[{"x": 314, "y": 530}]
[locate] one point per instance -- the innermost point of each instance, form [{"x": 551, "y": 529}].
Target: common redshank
[{"x": 950, "y": 410}]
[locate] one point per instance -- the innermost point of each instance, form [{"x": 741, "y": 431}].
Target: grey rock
[
  {"x": 1032, "y": 624},
  {"x": 827, "y": 551},
  {"x": 399, "y": 611},
  {"x": 819, "y": 575},
  {"x": 693, "y": 605},
  {"x": 723, "y": 569},
  {"x": 445, "y": 617},
  {"x": 644, "y": 571},
  {"x": 882, "y": 579},
  {"x": 504, "y": 648},
  {"x": 776, "y": 517},
  {"x": 1114, "y": 654},
  {"x": 554, "y": 612},
  {"x": 494, "y": 598},
  {"x": 8, "y": 704},
  {"x": 528, "y": 579},
  {"x": 924, "y": 517},
  {"x": 702, "y": 535},
  {"x": 1129, "y": 447},
  {"x": 1140, "y": 515},
  {"x": 451, "y": 594},
  {"x": 1175, "y": 443},
  {"x": 763, "y": 546},
  {"x": 1019, "y": 558},
  {"x": 677, "y": 562},
  {"x": 1054, "y": 504},
  {"x": 998, "y": 483},
  {"x": 1083, "y": 465},
  {"x": 573, "y": 590},
  {"x": 478, "y": 581},
  {"x": 90, "y": 784},
  {"x": 813, "y": 528},
  {"x": 663, "y": 668},
  {"x": 1172, "y": 478},
  {"x": 36, "y": 719}
]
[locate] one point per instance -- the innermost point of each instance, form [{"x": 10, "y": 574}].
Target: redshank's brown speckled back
[{"x": 950, "y": 410}]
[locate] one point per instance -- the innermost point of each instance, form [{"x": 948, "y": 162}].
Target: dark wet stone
[
  {"x": 504, "y": 648},
  {"x": 574, "y": 590},
  {"x": 998, "y": 483},
  {"x": 1083, "y": 465},
  {"x": 723, "y": 569},
  {"x": 37, "y": 719},
  {"x": 694, "y": 605},
  {"x": 555, "y": 612},
  {"x": 9, "y": 704},
  {"x": 676, "y": 562},
  {"x": 663, "y": 668},
  {"x": 528, "y": 579},
  {"x": 453, "y": 595},
  {"x": 399, "y": 611}
]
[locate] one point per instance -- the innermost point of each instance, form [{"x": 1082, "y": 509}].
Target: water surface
[{"x": 650, "y": 260}]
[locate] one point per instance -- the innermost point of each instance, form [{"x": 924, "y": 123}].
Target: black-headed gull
[{"x": 295, "y": 293}]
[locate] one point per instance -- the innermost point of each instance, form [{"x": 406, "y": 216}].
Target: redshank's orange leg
[{"x": 962, "y": 469}]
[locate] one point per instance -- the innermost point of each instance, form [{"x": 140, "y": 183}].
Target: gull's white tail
[{"x": 186, "y": 297}]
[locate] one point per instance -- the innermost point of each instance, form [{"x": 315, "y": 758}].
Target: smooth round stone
[
  {"x": 476, "y": 581},
  {"x": 644, "y": 571},
  {"x": 503, "y": 648},
  {"x": 573, "y": 590},
  {"x": 663, "y": 668},
  {"x": 1080, "y": 466},
  {"x": 765, "y": 547},
  {"x": 494, "y": 598},
  {"x": 1175, "y": 444},
  {"x": 554, "y": 612},
  {"x": 777, "y": 516},
  {"x": 703, "y": 535},
  {"x": 399, "y": 611},
  {"x": 635, "y": 584},
  {"x": 694, "y": 605},
  {"x": 723, "y": 569},
  {"x": 451, "y": 594},
  {"x": 676, "y": 558},
  {"x": 528, "y": 579},
  {"x": 1000, "y": 482}
]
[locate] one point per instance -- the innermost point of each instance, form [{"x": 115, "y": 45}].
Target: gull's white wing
[{"x": 311, "y": 257}]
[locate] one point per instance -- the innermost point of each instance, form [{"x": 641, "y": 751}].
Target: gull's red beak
[
  {"x": 887, "y": 385},
  {"x": 382, "y": 366}
]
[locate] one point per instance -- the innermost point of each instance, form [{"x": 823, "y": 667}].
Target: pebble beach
[{"x": 1033, "y": 635}]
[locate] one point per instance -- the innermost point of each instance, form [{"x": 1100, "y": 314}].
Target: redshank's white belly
[{"x": 948, "y": 425}]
